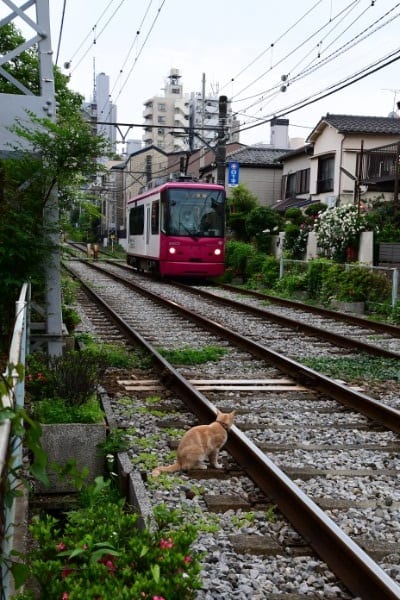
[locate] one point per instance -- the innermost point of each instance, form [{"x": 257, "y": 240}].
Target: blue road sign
[{"x": 233, "y": 173}]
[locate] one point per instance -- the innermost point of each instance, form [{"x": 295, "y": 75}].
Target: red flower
[
  {"x": 166, "y": 543},
  {"x": 187, "y": 559},
  {"x": 65, "y": 596},
  {"x": 66, "y": 571}
]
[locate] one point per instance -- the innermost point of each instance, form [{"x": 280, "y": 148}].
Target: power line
[
  {"x": 91, "y": 31},
  {"x": 364, "y": 34},
  {"x": 329, "y": 91},
  {"x": 141, "y": 49},
  {"x": 61, "y": 30},
  {"x": 96, "y": 37},
  {"x": 272, "y": 45},
  {"x": 298, "y": 46}
]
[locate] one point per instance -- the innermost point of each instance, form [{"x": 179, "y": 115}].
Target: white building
[{"x": 169, "y": 117}]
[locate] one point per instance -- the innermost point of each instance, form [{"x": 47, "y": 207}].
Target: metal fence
[{"x": 11, "y": 447}]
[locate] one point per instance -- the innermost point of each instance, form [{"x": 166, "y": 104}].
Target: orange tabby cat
[{"x": 199, "y": 443}]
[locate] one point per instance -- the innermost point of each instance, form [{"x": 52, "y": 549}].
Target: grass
[
  {"x": 115, "y": 356},
  {"x": 359, "y": 368},
  {"x": 55, "y": 410}
]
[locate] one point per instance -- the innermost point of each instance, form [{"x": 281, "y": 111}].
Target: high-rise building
[
  {"x": 106, "y": 110},
  {"x": 178, "y": 121}
]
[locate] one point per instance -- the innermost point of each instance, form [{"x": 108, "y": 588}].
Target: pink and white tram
[{"x": 177, "y": 229}]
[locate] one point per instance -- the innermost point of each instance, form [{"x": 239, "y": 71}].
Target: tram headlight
[
  {"x": 172, "y": 250},
  {"x": 217, "y": 251}
]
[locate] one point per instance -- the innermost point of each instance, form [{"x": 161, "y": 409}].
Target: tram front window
[{"x": 195, "y": 213}]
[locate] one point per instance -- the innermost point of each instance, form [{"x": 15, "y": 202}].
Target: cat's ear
[
  {"x": 218, "y": 413},
  {"x": 233, "y": 413}
]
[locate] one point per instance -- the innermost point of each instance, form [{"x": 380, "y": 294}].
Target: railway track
[{"x": 326, "y": 456}]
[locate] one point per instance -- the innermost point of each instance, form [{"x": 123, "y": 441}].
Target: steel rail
[
  {"x": 337, "y": 338},
  {"x": 318, "y": 310},
  {"x": 373, "y": 409},
  {"x": 358, "y": 572}
]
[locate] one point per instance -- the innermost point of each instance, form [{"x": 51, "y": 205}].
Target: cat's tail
[{"x": 170, "y": 469}]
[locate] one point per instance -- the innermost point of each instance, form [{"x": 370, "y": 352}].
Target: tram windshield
[{"x": 194, "y": 212}]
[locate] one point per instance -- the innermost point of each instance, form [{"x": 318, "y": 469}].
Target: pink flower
[
  {"x": 166, "y": 543},
  {"x": 40, "y": 376},
  {"x": 158, "y": 598},
  {"x": 61, "y": 546},
  {"x": 187, "y": 559},
  {"x": 65, "y": 596}
]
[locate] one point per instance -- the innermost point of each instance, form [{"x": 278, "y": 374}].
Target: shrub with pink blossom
[{"x": 99, "y": 553}]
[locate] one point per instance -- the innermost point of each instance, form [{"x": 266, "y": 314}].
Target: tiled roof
[
  {"x": 260, "y": 156},
  {"x": 357, "y": 124},
  {"x": 283, "y": 205}
]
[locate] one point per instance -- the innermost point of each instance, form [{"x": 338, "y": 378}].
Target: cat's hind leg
[{"x": 214, "y": 460}]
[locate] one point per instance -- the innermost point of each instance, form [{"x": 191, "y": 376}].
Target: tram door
[{"x": 148, "y": 226}]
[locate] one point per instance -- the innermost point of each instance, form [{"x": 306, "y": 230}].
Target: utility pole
[
  {"x": 14, "y": 107},
  {"x": 220, "y": 153}
]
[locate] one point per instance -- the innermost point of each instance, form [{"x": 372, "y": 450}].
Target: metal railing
[{"x": 10, "y": 447}]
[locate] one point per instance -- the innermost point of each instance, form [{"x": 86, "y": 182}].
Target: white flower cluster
[{"x": 337, "y": 228}]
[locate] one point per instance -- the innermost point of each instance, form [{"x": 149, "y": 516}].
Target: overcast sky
[{"x": 244, "y": 48}]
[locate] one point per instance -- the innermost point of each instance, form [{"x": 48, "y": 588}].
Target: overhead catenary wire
[
  {"x": 297, "y": 47},
  {"x": 141, "y": 49},
  {"x": 272, "y": 44},
  {"x": 390, "y": 58},
  {"x": 274, "y": 91},
  {"x": 96, "y": 37}
]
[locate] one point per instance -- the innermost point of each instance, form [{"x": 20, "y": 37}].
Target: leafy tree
[
  {"x": 240, "y": 203},
  {"x": 62, "y": 154},
  {"x": 261, "y": 223}
]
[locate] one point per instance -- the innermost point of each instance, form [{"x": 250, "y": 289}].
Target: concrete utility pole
[
  {"x": 15, "y": 106},
  {"x": 220, "y": 154}
]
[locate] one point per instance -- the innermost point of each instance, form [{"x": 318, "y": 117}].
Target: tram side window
[
  {"x": 136, "y": 220},
  {"x": 155, "y": 217}
]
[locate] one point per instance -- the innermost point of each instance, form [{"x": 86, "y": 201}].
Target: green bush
[
  {"x": 98, "y": 551},
  {"x": 270, "y": 271},
  {"x": 72, "y": 377},
  {"x": 291, "y": 283},
  {"x": 330, "y": 282},
  {"x": 315, "y": 277},
  {"x": 359, "y": 284},
  {"x": 237, "y": 256}
]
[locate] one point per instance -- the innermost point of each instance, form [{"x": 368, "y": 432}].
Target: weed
[{"x": 362, "y": 367}]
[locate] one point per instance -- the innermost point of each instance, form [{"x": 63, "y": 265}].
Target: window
[
  {"x": 297, "y": 183},
  {"x": 161, "y": 119},
  {"x": 325, "y": 174},
  {"x": 303, "y": 181},
  {"x": 136, "y": 220},
  {"x": 161, "y": 107},
  {"x": 155, "y": 216},
  {"x": 290, "y": 185}
]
